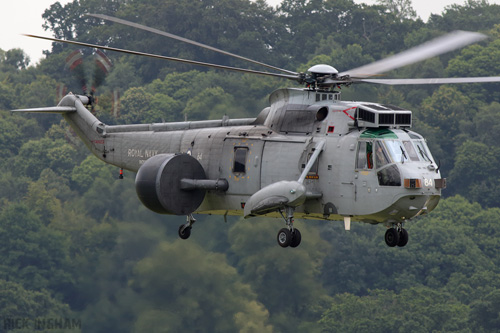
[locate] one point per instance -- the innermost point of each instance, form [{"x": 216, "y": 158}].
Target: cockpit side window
[
  {"x": 422, "y": 151},
  {"x": 364, "y": 159},
  {"x": 381, "y": 157},
  {"x": 389, "y": 176}
]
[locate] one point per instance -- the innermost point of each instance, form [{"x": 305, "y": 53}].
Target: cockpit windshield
[
  {"x": 383, "y": 150},
  {"x": 411, "y": 150},
  {"x": 396, "y": 150},
  {"x": 402, "y": 152},
  {"x": 377, "y": 154}
]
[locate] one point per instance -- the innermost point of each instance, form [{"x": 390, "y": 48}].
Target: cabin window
[
  {"x": 240, "y": 158},
  {"x": 365, "y": 155}
]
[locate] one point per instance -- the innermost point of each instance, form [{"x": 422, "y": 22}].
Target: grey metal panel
[
  {"x": 298, "y": 121},
  {"x": 204, "y": 141},
  {"x": 215, "y": 155},
  {"x": 279, "y": 161},
  {"x": 343, "y": 173}
]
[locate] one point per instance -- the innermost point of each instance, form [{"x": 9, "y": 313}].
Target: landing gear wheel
[
  {"x": 391, "y": 237},
  {"x": 403, "y": 237},
  {"x": 284, "y": 237},
  {"x": 185, "y": 229},
  {"x": 296, "y": 238},
  {"x": 184, "y": 232}
]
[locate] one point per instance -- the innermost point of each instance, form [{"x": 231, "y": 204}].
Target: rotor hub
[
  {"x": 323, "y": 69},
  {"x": 322, "y": 76}
]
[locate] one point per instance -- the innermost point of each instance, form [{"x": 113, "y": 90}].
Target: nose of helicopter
[
  {"x": 411, "y": 206},
  {"x": 420, "y": 192}
]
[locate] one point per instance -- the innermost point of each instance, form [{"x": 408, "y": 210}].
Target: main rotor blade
[
  {"x": 185, "y": 40},
  {"x": 435, "y": 47},
  {"x": 433, "y": 80},
  {"x": 191, "y": 62}
]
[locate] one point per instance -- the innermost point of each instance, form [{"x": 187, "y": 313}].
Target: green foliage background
[{"x": 76, "y": 242}]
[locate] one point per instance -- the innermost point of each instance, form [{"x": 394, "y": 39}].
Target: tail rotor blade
[
  {"x": 102, "y": 68},
  {"x": 74, "y": 63}
]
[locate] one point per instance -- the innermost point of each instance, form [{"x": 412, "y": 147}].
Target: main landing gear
[
  {"x": 185, "y": 229},
  {"x": 396, "y": 235},
  {"x": 289, "y": 236}
]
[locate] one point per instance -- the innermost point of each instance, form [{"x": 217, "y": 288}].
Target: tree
[
  {"x": 402, "y": 9},
  {"x": 14, "y": 131},
  {"x": 208, "y": 292},
  {"x": 444, "y": 113},
  {"x": 40, "y": 91},
  {"x": 287, "y": 283},
  {"x": 212, "y": 103},
  {"x": 487, "y": 125},
  {"x": 15, "y": 59},
  {"x": 6, "y": 96},
  {"x": 479, "y": 162},
  {"x": 43, "y": 201},
  {"x": 417, "y": 309},
  {"x": 135, "y": 106},
  {"x": 37, "y": 155},
  {"x": 479, "y": 60},
  {"x": 472, "y": 15},
  {"x": 91, "y": 168},
  {"x": 485, "y": 313},
  {"x": 31, "y": 253},
  {"x": 16, "y": 303}
]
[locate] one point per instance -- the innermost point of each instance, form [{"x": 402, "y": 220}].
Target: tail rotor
[{"x": 91, "y": 74}]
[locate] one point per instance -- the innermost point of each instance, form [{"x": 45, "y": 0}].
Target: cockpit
[{"x": 386, "y": 151}]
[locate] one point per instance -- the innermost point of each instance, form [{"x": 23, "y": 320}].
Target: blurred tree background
[{"x": 76, "y": 241}]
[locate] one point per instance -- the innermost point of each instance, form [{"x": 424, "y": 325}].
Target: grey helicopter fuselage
[
  {"x": 371, "y": 167},
  {"x": 308, "y": 155}
]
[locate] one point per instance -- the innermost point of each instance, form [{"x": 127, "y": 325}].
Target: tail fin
[
  {"x": 72, "y": 108},
  {"x": 67, "y": 104},
  {"x": 52, "y": 109}
]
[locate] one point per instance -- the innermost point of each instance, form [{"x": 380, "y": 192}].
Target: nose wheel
[
  {"x": 289, "y": 236},
  {"x": 396, "y": 236}
]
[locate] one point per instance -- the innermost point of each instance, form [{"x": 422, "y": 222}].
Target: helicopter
[{"x": 308, "y": 155}]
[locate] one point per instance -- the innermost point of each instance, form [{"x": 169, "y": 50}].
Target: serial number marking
[{"x": 428, "y": 182}]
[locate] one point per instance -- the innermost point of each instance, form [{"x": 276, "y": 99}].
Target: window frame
[
  {"x": 239, "y": 165},
  {"x": 364, "y": 155}
]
